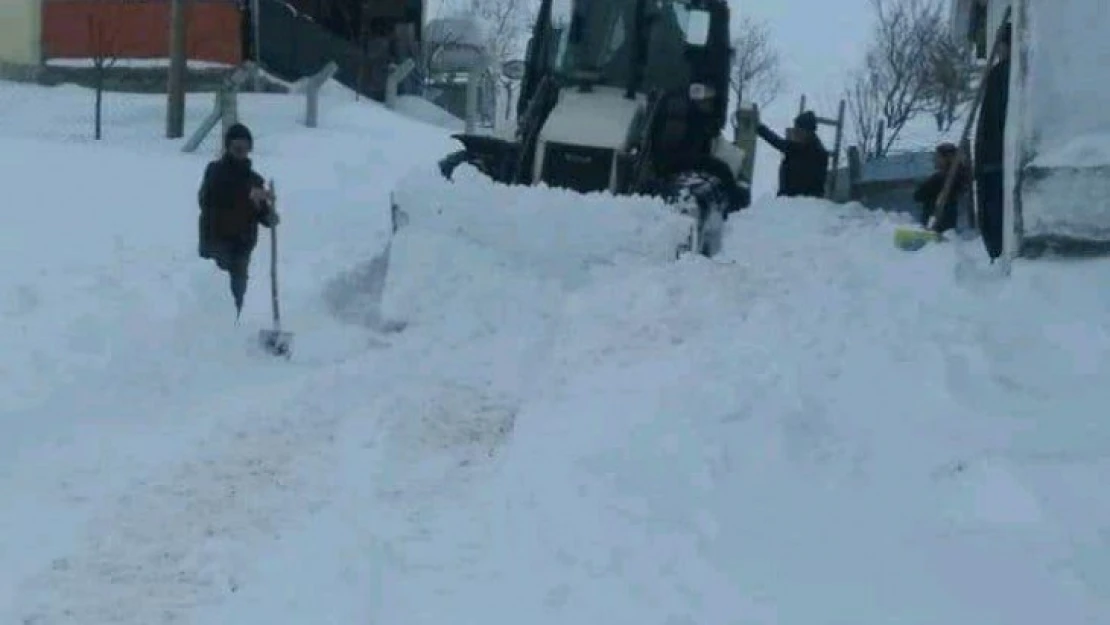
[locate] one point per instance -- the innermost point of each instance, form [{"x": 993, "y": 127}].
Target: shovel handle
[{"x": 273, "y": 267}]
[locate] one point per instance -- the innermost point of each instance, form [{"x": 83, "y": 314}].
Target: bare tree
[
  {"x": 895, "y": 80},
  {"x": 865, "y": 112},
  {"x": 756, "y": 67},
  {"x": 506, "y": 24},
  {"x": 950, "y": 72},
  {"x": 102, "y": 42},
  {"x": 440, "y": 36}
]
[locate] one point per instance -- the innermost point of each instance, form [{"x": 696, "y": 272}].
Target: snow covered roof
[{"x": 898, "y": 167}]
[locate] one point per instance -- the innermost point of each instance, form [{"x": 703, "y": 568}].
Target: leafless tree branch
[
  {"x": 864, "y": 112},
  {"x": 903, "y": 71},
  {"x": 102, "y": 42},
  {"x": 506, "y": 23},
  {"x": 950, "y": 72},
  {"x": 756, "y": 66}
]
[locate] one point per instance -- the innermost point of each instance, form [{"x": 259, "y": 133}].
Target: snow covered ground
[{"x": 812, "y": 429}]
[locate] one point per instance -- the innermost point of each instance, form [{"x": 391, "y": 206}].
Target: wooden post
[
  {"x": 855, "y": 167},
  {"x": 836, "y": 150},
  {"x": 229, "y": 110},
  {"x": 256, "y": 35},
  {"x": 175, "y": 87}
]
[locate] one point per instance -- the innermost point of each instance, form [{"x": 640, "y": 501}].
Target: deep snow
[{"x": 812, "y": 429}]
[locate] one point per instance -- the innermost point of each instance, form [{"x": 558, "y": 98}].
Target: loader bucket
[{"x": 493, "y": 156}]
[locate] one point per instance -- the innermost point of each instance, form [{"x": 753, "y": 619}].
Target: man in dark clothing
[
  {"x": 928, "y": 192},
  {"x": 805, "y": 161},
  {"x": 989, "y": 149},
  {"x": 233, "y": 201}
]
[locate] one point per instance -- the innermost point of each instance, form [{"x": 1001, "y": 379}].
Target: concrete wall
[
  {"x": 20, "y": 32},
  {"x": 1058, "y": 132}
]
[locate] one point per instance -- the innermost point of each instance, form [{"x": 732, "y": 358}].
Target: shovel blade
[
  {"x": 276, "y": 342},
  {"x": 913, "y": 239}
]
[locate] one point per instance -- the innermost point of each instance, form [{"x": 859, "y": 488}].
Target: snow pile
[
  {"x": 415, "y": 107},
  {"x": 1083, "y": 151},
  {"x": 818, "y": 429},
  {"x": 780, "y": 465},
  {"x": 1062, "y": 51},
  {"x": 545, "y": 235}
]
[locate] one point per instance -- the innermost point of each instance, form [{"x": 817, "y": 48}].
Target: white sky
[{"x": 819, "y": 41}]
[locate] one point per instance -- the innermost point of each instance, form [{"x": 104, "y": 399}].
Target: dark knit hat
[
  {"x": 806, "y": 121},
  {"x": 238, "y": 131},
  {"x": 947, "y": 148}
]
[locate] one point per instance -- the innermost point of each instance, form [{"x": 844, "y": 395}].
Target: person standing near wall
[{"x": 927, "y": 194}]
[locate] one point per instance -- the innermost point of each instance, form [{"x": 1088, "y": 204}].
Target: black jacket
[
  {"x": 929, "y": 191},
  {"x": 805, "y": 165},
  {"x": 227, "y": 214}
]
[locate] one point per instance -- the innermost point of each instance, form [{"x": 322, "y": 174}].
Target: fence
[
  {"x": 888, "y": 182},
  {"x": 293, "y": 46}
]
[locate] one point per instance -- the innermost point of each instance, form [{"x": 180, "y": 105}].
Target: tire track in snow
[
  {"x": 186, "y": 538},
  {"x": 182, "y": 538}
]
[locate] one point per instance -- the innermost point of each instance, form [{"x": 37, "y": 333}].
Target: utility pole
[
  {"x": 175, "y": 87},
  {"x": 256, "y": 36}
]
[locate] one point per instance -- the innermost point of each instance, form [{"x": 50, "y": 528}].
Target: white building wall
[
  {"x": 20, "y": 31},
  {"x": 1058, "y": 128}
]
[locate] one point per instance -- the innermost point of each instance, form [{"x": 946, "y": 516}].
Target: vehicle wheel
[{"x": 702, "y": 197}]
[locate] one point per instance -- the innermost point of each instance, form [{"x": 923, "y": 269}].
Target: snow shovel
[
  {"x": 275, "y": 341},
  {"x": 912, "y": 239}
]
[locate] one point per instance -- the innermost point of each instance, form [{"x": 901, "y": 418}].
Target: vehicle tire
[{"x": 702, "y": 197}]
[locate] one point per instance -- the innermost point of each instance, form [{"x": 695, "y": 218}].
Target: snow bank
[
  {"x": 1063, "y": 144},
  {"x": 552, "y": 236},
  {"x": 817, "y": 428},
  {"x": 420, "y": 109},
  {"x": 1091, "y": 150}
]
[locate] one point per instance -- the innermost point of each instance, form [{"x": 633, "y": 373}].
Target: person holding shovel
[
  {"x": 233, "y": 201},
  {"x": 943, "y": 212}
]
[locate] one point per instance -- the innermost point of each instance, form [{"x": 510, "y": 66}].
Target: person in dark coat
[
  {"x": 990, "y": 135},
  {"x": 928, "y": 192},
  {"x": 805, "y": 161},
  {"x": 233, "y": 202}
]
